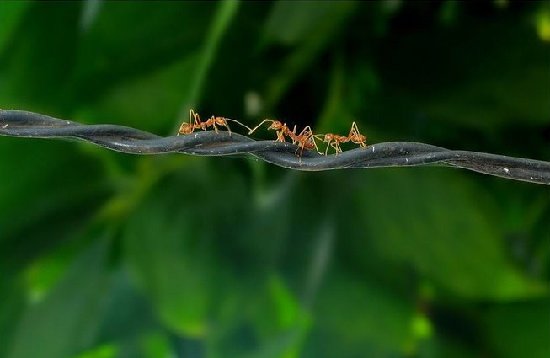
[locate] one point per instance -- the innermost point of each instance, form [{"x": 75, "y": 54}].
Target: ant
[
  {"x": 334, "y": 140},
  {"x": 196, "y": 123},
  {"x": 281, "y": 129},
  {"x": 304, "y": 140},
  {"x": 188, "y": 128}
]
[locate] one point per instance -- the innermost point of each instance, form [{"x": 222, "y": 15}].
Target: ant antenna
[{"x": 259, "y": 125}]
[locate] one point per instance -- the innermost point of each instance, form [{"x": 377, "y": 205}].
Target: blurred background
[{"x": 104, "y": 254}]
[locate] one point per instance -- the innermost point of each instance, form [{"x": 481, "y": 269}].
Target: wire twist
[{"x": 208, "y": 143}]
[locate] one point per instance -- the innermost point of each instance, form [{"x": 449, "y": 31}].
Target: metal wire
[{"x": 209, "y": 143}]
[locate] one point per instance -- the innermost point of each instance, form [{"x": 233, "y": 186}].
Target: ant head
[
  {"x": 307, "y": 131},
  {"x": 276, "y": 125},
  {"x": 185, "y": 128},
  {"x": 220, "y": 121},
  {"x": 358, "y": 138}
]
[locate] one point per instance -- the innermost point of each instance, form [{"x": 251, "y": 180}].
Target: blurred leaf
[
  {"x": 66, "y": 321},
  {"x": 13, "y": 303},
  {"x": 291, "y": 22},
  {"x": 356, "y": 318},
  {"x": 287, "y": 309},
  {"x": 156, "y": 345},
  {"x": 128, "y": 315},
  {"x": 104, "y": 351},
  {"x": 440, "y": 346},
  {"x": 542, "y": 21},
  {"x": 323, "y": 20},
  {"x": 163, "y": 32},
  {"x": 449, "y": 12},
  {"x": 226, "y": 12},
  {"x": 519, "y": 329},
  {"x": 155, "y": 100},
  {"x": 152, "y": 102},
  {"x": 282, "y": 323},
  {"x": 345, "y": 99},
  {"x": 165, "y": 248},
  {"x": 425, "y": 218},
  {"x": 31, "y": 76},
  {"x": 11, "y": 13},
  {"x": 496, "y": 83},
  {"x": 262, "y": 319},
  {"x": 45, "y": 272},
  {"x": 42, "y": 196}
]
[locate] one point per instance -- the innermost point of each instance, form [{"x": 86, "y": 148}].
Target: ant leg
[
  {"x": 227, "y": 126},
  {"x": 322, "y": 141},
  {"x": 312, "y": 139},
  {"x": 258, "y": 126},
  {"x": 354, "y": 131},
  {"x": 308, "y": 133},
  {"x": 198, "y": 124},
  {"x": 187, "y": 128},
  {"x": 213, "y": 121},
  {"x": 194, "y": 119},
  {"x": 192, "y": 115},
  {"x": 280, "y": 136},
  {"x": 292, "y": 135},
  {"x": 336, "y": 147}
]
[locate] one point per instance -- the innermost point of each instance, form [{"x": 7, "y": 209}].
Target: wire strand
[{"x": 209, "y": 143}]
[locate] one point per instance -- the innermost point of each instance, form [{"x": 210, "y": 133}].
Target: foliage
[{"x": 105, "y": 254}]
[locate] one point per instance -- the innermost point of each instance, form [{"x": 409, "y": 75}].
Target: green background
[{"x": 104, "y": 254}]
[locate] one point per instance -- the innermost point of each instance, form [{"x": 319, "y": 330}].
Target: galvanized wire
[{"x": 209, "y": 143}]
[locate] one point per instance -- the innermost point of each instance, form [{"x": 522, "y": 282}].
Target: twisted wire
[{"x": 209, "y": 143}]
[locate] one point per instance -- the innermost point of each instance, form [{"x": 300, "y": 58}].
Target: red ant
[
  {"x": 334, "y": 140},
  {"x": 188, "y": 128},
  {"x": 196, "y": 123},
  {"x": 304, "y": 140},
  {"x": 278, "y": 126}
]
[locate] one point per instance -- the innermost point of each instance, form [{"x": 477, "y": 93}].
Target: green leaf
[
  {"x": 355, "y": 317},
  {"x": 322, "y": 22},
  {"x": 13, "y": 303},
  {"x": 163, "y": 34},
  {"x": 503, "y": 79},
  {"x": 151, "y": 102},
  {"x": 11, "y": 13},
  {"x": 164, "y": 247},
  {"x": 43, "y": 197},
  {"x": 281, "y": 321},
  {"x": 519, "y": 329},
  {"x": 66, "y": 321},
  {"x": 103, "y": 351},
  {"x": 426, "y": 218},
  {"x": 291, "y": 22},
  {"x": 157, "y": 98},
  {"x": 39, "y": 64}
]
